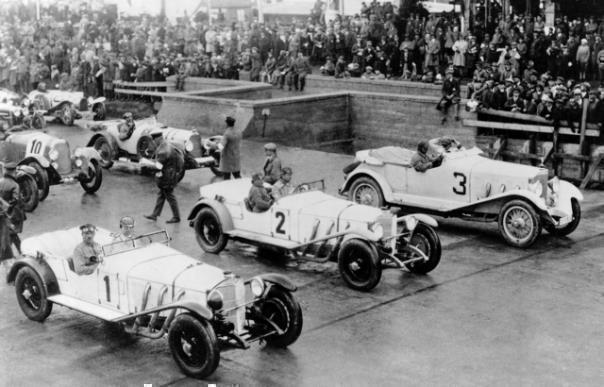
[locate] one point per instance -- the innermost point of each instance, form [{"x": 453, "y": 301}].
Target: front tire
[
  {"x": 194, "y": 346},
  {"x": 281, "y": 308},
  {"x": 38, "y": 121},
  {"x": 101, "y": 144},
  {"x": 99, "y": 112},
  {"x": 427, "y": 241},
  {"x": 29, "y": 192},
  {"x": 208, "y": 231},
  {"x": 32, "y": 295},
  {"x": 359, "y": 265},
  {"x": 519, "y": 223},
  {"x": 96, "y": 178},
  {"x": 41, "y": 180},
  {"x": 67, "y": 114},
  {"x": 365, "y": 190},
  {"x": 569, "y": 228}
]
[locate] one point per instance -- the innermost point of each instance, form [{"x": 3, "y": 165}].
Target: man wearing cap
[
  {"x": 283, "y": 186},
  {"x": 272, "y": 164},
  {"x": 422, "y": 161},
  {"x": 515, "y": 104},
  {"x": 230, "y": 158},
  {"x": 172, "y": 160},
  {"x": 87, "y": 255},
  {"x": 450, "y": 96},
  {"x": 126, "y": 230},
  {"x": 258, "y": 196},
  {"x": 126, "y": 128},
  {"x": 13, "y": 213}
]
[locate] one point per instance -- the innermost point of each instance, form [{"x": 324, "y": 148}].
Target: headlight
[
  {"x": 53, "y": 154},
  {"x": 26, "y": 102},
  {"x": 257, "y": 286},
  {"x": 536, "y": 188},
  {"x": 411, "y": 223},
  {"x": 78, "y": 163},
  {"x": 78, "y": 152},
  {"x": 189, "y": 146},
  {"x": 215, "y": 299},
  {"x": 17, "y": 112},
  {"x": 554, "y": 184},
  {"x": 159, "y": 165}
]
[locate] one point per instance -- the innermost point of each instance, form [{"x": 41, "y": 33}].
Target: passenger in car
[
  {"x": 127, "y": 127},
  {"x": 126, "y": 230},
  {"x": 87, "y": 255},
  {"x": 272, "y": 165},
  {"x": 283, "y": 186},
  {"x": 258, "y": 197},
  {"x": 422, "y": 161}
]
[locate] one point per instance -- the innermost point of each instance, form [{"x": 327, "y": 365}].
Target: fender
[
  {"x": 88, "y": 152},
  {"x": 97, "y": 100},
  {"x": 570, "y": 190},
  {"x": 361, "y": 171},
  {"x": 194, "y": 307},
  {"x": 223, "y": 213},
  {"x": 58, "y": 107},
  {"x": 529, "y": 196},
  {"x": 37, "y": 158},
  {"x": 279, "y": 280},
  {"x": 427, "y": 219},
  {"x": 41, "y": 267},
  {"x": 110, "y": 139},
  {"x": 27, "y": 170}
]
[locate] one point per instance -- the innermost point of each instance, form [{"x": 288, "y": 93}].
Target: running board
[
  {"x": 254, "y": 238},
  {"x": 94, "y": 310}
]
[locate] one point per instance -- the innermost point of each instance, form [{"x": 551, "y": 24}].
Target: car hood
[
  {"x": 160, "y": 264},
  {"x": 490, "y": 167},
  {"x": 234, "y": 190}
]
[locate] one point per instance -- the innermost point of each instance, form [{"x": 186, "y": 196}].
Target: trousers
[{"x": 163, "y": 195}]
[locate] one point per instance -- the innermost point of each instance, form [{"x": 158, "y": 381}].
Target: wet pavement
[{"x": 489, "y": 314}]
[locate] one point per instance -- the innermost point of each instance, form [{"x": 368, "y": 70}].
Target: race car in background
[
  {"x": 467, "y": 185},
  {"x": 66, "y": 106}
]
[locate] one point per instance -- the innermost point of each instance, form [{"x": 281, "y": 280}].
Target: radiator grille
[
  {"x": 64, "y": 160},
  {"x": 233, "y": 292}
]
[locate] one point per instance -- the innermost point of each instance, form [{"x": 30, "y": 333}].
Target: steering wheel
[{"x": 302, "y": 188}]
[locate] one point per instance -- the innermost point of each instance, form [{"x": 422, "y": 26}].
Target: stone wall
[
  {"x": 247, "y": 92},
  {"x": 320, "y": 83},
  {"x": 385, "y": 119}
]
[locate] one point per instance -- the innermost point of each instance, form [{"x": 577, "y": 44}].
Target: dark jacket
[{"x": 173, "y": 161}]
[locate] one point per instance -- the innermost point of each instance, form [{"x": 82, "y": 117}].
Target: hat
[
  {"x": 546, "y": 98},
  {"x": 230, "y": 121},
  {"x": 88, "y": 227},
  {"x": 449, "y": 71},
  {"x": 270, "y": 146},
  {"x": 10, "y": 166},
  {"x": 127, "y": 115},
  {"x": 127, "y": 221}
]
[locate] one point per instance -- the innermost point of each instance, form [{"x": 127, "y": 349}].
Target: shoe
[
  {"x": 457, "y": 118},
  {"x": 151, "y": 217},
  {"x": 173, "y": 220}
]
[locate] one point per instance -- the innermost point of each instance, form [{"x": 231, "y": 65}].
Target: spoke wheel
[
  {"x": 359, "y": 265},
  {"x": 208, "y": 231},
  {"x": 426, "y": 241},
  {"x": 283, "y": 310},
  {"x": 29, "y": 192},
  {"x": 67, "y": 115},
  {"x": 194, "y": 346},
  {"x": 32, "y": 295},
  {"x": 95, "y": 178},
  {"x": 42, "y": 181},
  {"x": 104, "y": 148},
  {"x": 365, "y": 190},
  {"x": 519, "y": 223},
  {"x": 570, "y": 227}
]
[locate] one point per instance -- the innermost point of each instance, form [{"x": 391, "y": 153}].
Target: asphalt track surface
[{"x": 489, "y": 314}]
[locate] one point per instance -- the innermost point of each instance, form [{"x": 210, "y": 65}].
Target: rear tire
[
  {"x": 32, "y": 295},
  {"x": 41, "y": 180},
  {"x": 96, "y": 179},
  {"x": 102, "y": 145},
  {"x": 29, "y": 192},
  {"x": 208, "y": 231},
  {"x": 359, "y": 265},
  {"x": 99, "y": 112},
  {"x": 38, "y": 121},
  {"x": 194, "y": 346},
  {"x": 365, "y": 190},
  {"x": 67, "y": 114},
  {"x": 281, "y": 308}
]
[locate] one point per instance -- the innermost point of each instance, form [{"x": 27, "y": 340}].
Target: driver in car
[
  {"x": 258, "y": 197},
  {"x": 422, "y": 161},
  {"x": 87, "y": 255},
  {"x": 126, "y": 230},
  {"x": 126, "y": 128},
  {"x": 283, "y": 186},
  {"x": 446, "y": 144}
]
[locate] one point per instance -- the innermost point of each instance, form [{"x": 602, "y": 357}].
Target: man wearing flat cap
[
  {"x": 272, "y": 164},
  {"x": 230, "y": 158},
  {"x": 12, "y": 212},
  {"x": 87, "y": 255}
]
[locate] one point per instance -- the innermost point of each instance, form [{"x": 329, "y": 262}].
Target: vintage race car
[
  {"x": 16, "y": 110},
  {"x": 153, "y": 290},
  {"x": 67, "y": 106},
  {"x": 53, "y": 161},
  {"x": 319, "y": 227},
  {"x": 140, "y": 147},
  {"x": 470, "y": 186}
]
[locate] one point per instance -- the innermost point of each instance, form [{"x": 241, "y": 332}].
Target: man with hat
[
  {"x": 272, "y": 164},
  {"x": 258, "y": 197},
  {"x": 515, "y": 104},
  {"x": 126, "y": 128},
  {"x": 87, "y": 255},
  {"x": 422, "y": 161},
  {"x": 450, "y": 96},
  {"x": 12, "y": 212},
  {"x": 230, "y": 158}
]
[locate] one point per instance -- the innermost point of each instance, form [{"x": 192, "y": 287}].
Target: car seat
[
  {"x": 248, "y": 204},
  {"x": 70, "y": 264}
]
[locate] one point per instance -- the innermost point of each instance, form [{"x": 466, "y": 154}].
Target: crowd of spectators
[{"x": 514, "y": 63}]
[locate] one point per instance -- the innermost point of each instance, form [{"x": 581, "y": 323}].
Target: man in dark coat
[
  {"x": 230, "y": 158},
  {"x": 172, "y": 160},
  {"x": 12, "y": 214}
]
